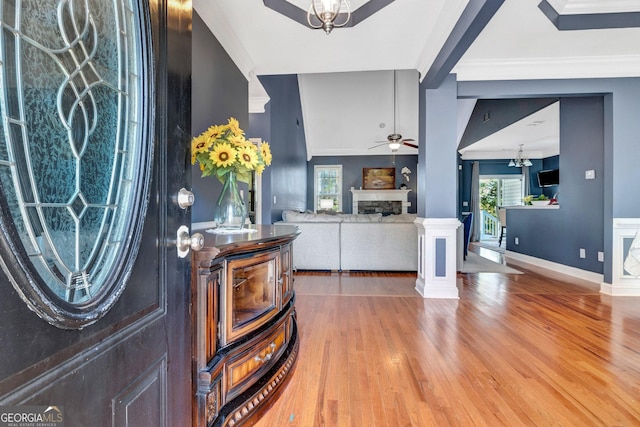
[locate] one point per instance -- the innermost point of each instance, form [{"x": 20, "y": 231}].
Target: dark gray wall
[
  {"x": 558, "y": 235},
  {"x": 352, "y": 175},
  {"x": 219, "y": 91},
  {"x": 288, "y": 172}
]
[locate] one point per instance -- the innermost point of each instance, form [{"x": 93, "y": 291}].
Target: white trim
[
  {"x": 304, "y": 106},
  {"x": 257, "y": 103},
  {"x": 215, "y": 20},
  {"x": 534, "y": 263},
  {"x": 428, "y": 284},
  {"x": 623, "y": 284},
  {"x": 577, "y": 7},
  {"x": 315, "y": 185},
  {"x": 258, "y": 96},
  {"x": 468, "y": 153},
  {"x": 257, "y": 197},
  {"x": 548, "y": 68}
]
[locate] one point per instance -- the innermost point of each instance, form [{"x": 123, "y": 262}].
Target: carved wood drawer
[{"x": 240, "y": 370}]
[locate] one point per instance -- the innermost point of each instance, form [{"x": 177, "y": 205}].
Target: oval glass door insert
[{"x": 75, "y": 152}]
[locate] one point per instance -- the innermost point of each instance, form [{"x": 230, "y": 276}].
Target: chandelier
[
  {"x": 326, "y": 12},
  {"x": 520, "y": 160}
]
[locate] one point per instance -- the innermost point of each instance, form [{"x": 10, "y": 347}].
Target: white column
[
  {"x": 622, "y": 283},
  {"x": 437, "y": 276}
]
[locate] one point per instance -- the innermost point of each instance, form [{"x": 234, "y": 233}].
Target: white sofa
[{"x": 354, "y": 241}]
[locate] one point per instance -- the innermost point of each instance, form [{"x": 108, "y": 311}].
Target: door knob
[
  {"x": 185, "y": 242},
  {"x": 185, "y": 198}
]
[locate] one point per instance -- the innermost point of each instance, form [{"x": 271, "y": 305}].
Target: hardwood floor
[{"x": 514, "y": 350}]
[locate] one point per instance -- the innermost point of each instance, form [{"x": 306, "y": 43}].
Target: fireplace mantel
[{"x": 373, "y": 197}]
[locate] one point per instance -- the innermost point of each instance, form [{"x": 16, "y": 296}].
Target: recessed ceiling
[{"x": 519, "y": 42}]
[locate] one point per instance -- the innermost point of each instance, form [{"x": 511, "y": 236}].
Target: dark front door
[{"x": 94, "y": 301}]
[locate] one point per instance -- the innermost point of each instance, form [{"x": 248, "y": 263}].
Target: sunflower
[
  {"x": 266, "y": 153},
  {"x": 214, "y": 132},
  {"x": 234, "y": 127},
  {"x": 240, "y": 141},
  {"x": 224, "y": 148},
  {"x": 200, "y": 144},
  {"x": 248, "y": 157},
  {"x": 223, "y": 155}
]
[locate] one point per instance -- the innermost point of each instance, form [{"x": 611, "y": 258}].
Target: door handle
[{"x": 185, "y": 242}]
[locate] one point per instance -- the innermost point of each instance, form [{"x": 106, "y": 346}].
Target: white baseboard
[{"x": 534, "y": 263}]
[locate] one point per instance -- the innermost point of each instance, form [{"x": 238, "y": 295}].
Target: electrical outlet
[
  {"x": 583, "y": 253},
  {"x": 590, "y": 174},
  {"x": 274, "y": 200},
  {"x": 601, "y": 256},
  {"x": 516, "y": 241},
  {"x": 465, "y": 203}
]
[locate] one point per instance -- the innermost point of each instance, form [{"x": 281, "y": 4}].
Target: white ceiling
[
  {"x": 342, "y": 112},
  {"x": 329, "y": 114}
]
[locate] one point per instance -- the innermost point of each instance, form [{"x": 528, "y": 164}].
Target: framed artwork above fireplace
[{"x": 378, "y": 178}]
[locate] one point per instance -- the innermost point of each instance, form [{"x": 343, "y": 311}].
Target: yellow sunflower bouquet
[{"x": 223, "y": 148}]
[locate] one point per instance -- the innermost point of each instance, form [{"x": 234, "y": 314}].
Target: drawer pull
[{"x": 268, "y": 356}]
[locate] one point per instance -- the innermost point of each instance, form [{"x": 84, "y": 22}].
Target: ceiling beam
[{"x": 472, "y": 21}]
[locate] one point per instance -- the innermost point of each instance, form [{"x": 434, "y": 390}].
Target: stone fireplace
[{"x": 380, "y": 201}]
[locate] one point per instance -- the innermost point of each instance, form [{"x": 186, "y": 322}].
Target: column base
[{"x": 437, "y": 241}]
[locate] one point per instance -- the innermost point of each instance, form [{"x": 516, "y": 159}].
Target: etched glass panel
[{"x": 74, "y": 149}]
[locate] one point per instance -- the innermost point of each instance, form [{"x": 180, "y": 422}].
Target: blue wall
[
  {"x": 283, "y": 128},
  {"x": 437, "y": 176},
  {"x": 621, "y": 130},
  {"x": 558, "y": 235},
  {"x": 219, "y": 91},
  {"x": 352, "y": 175}
]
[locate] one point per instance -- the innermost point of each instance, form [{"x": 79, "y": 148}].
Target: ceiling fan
[{"x": 395, "y": 140}]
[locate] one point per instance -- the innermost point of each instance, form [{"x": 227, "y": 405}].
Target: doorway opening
[{"x": 497, "y": 191}]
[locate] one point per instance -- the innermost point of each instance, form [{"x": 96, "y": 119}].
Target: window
[
  {"x": 500, "y": 190},
  {"x": 510, "y": 193},
  {"x": 327, "y": 194}
]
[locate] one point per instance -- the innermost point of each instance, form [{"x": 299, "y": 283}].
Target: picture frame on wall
[{"x": 378, "y": 178}]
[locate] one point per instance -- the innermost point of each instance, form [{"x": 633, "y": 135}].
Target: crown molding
[
  {"x": 548, "y": 68},
  {"x": 470, "y": 154},
  {"x": 380, "y": 151},
  {"x": 581, "y": 7},
  {"x": 258, "y": 96},
  {"x": 222, "y": 30}
]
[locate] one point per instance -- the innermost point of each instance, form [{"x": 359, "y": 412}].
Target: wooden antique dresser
[{"x": 245, "y": 340}]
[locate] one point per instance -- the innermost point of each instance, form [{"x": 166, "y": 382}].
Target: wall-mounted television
[{"x": 548, "y": 178}]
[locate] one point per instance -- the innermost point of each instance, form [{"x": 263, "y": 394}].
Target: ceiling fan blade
[
  {"x": 408, "y": 139},
  {"x": 404, "y": 142},
  {"x": 378, "y": 145}
]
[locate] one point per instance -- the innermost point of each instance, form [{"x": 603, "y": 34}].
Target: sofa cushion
[
  {"x": 294, "y": 216},
  {"x": 399, "y": 218},
  {"x": 361, "y": 217}
]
